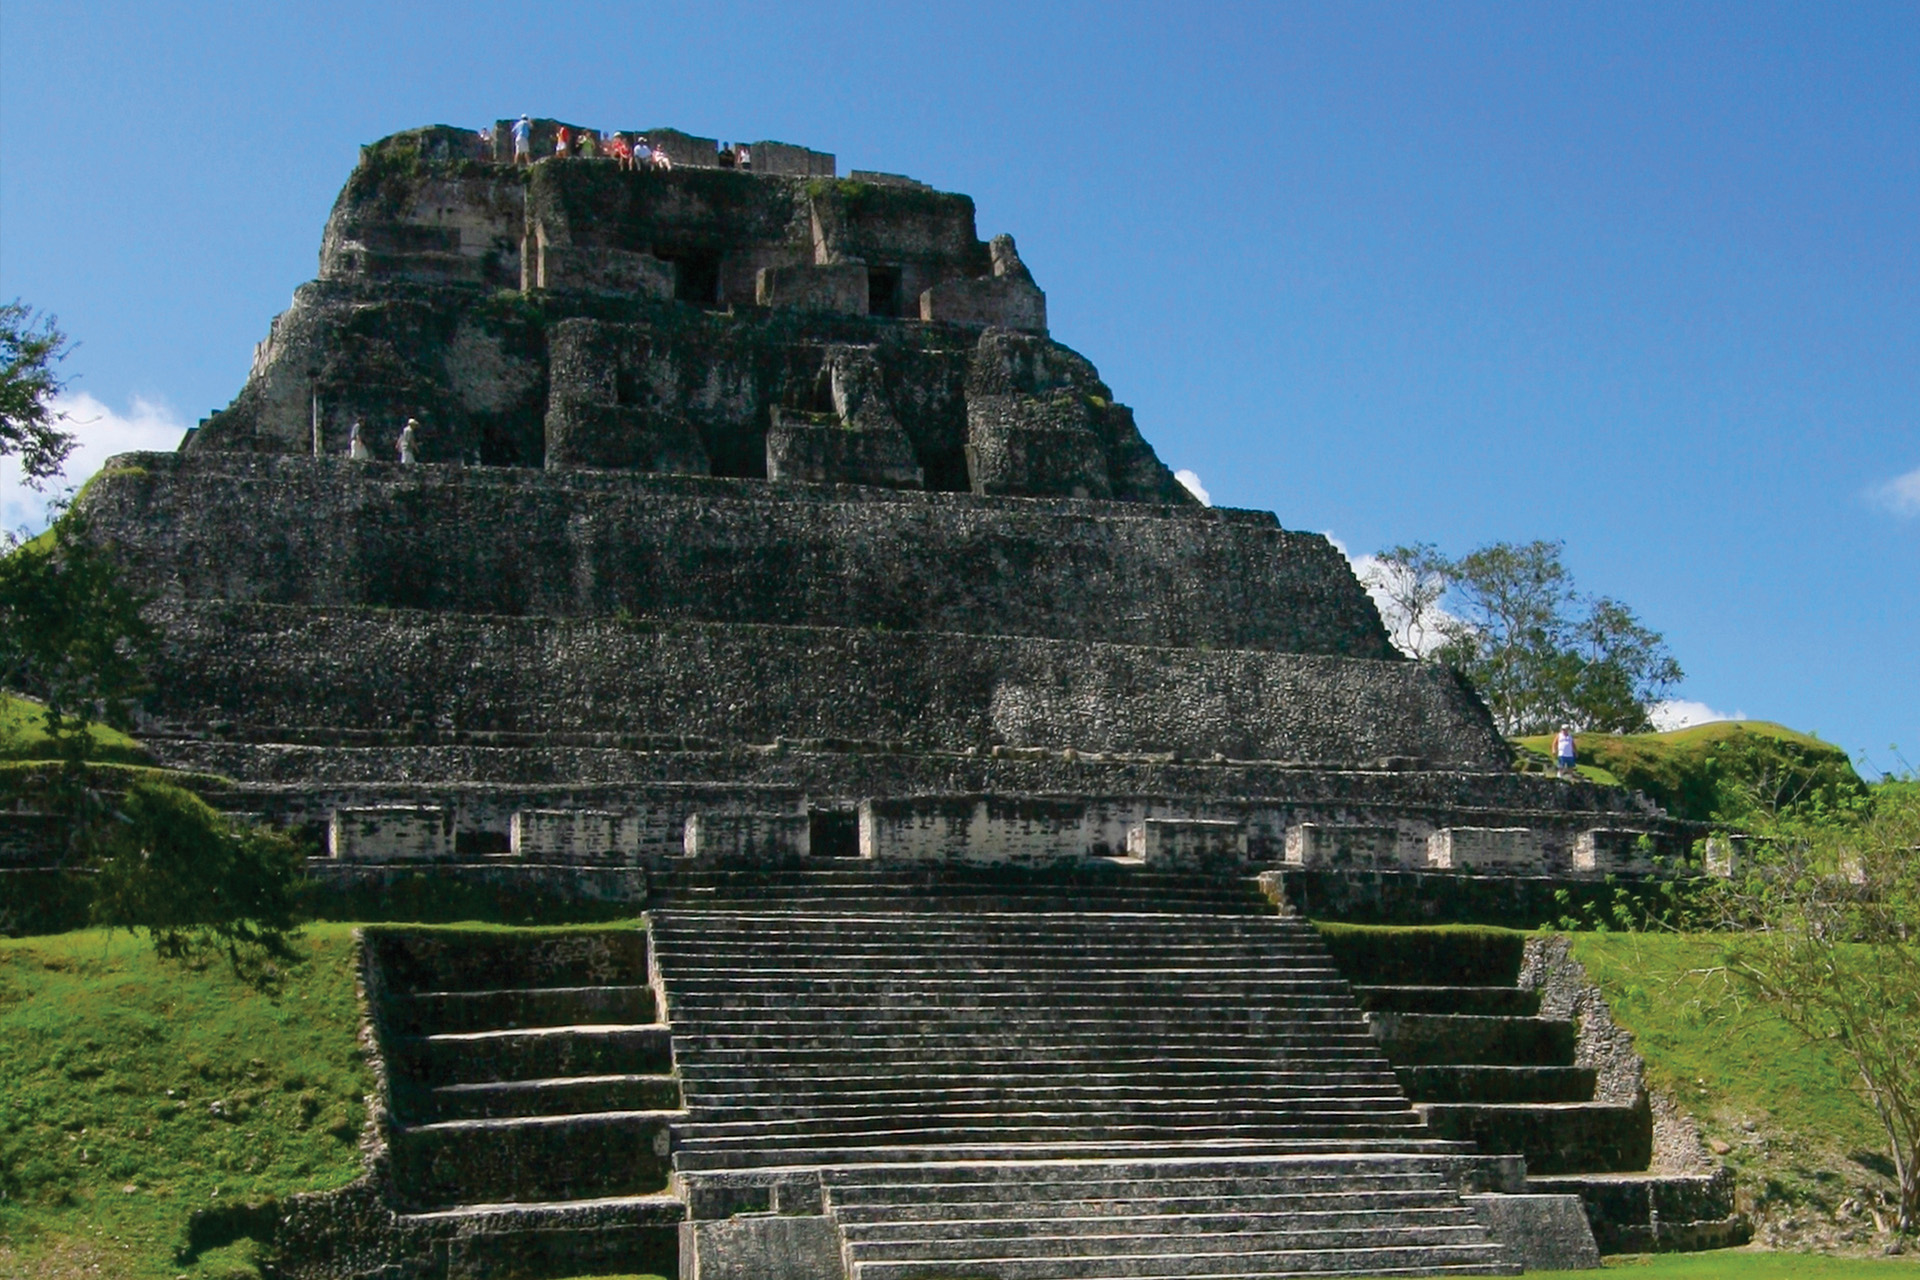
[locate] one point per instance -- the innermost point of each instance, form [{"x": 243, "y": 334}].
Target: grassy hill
[
  {"x": 23, "y": 735},
  {"x": 134, "y": 1091},
  {"x": 1718, "y": 771}
]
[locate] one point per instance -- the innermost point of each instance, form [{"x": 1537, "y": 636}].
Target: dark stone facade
[{"x": 711, "y": 517}]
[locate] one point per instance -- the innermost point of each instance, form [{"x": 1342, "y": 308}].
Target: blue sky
[{"x": 1642, "y": 278}]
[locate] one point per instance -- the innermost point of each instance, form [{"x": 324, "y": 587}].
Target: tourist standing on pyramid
[{"x": 523, "y": 141}]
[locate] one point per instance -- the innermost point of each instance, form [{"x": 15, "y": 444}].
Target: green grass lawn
[
  {"x": 134, "y": 1091},
  {"x": 23, "y": 735},
  {"x": 1794, "y": 1128},
  {"x": 1751, "y": 1264}
]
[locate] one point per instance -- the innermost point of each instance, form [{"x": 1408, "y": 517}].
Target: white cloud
[
  {"x": 1191, "y": 479},
  {"x": 101, "y": 433},
  {"x": 1679, "y": 713},
  {"x": 1900, "y": 495}
]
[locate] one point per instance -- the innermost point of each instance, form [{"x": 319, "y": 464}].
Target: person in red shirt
[{"x": 563, "y": 142}]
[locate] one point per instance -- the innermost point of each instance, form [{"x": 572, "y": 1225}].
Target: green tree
[
  {"x": 30, "y": 427},
  {"x": 1823, "y": 926},
  {"x": 71, "y": 635},
  {"x": 1411, "y": 580},
  {"x": 196, "y": 880},
  {"x": 1509, "y": 618}
]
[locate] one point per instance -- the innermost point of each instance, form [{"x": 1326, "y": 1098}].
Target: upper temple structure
[
  {"x": 730, "y": 546},
  {"x": 759, "y": 492}
]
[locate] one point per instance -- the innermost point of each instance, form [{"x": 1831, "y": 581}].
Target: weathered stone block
[
  {"x": 1034, "y": 446},
  {"x": 972, "y": 828},
  {"x": 1311, "y": 844},
  {"x": 826, "y": 449},
  {"x": 617, "y": 437},
  {"x": 988, "y": 300},
  {"x": 1725, "y": 854},
  {"x": 1611, "y": 852},
  {"x": 562, "y": 268},
  {"x": 747, "y": 839},
  {"x": 1188, "y": 843},
  {"x": 785, "y": 158},
  {"x": 839, "y": 289},
  {"x": 685, "y": 150},
  {"x": 773, "y": 1247},
  {"x": 391, "y": 833},
  {"x": 575, "y": 835},
  {"x": 1541, "y": 1233},
  {"x": 1484, "y": 848}
]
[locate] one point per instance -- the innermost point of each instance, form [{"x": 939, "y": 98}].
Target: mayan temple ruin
[{"x": 766, "y": 573}]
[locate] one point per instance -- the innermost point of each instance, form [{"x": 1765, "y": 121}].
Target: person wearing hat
[
  {"x": 523, "y": 141},
  {"x": 407, "y": 442},
  {"x": 1563, "y": 751}
]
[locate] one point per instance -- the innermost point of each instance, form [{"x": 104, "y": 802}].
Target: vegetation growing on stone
[{"x": 1725, "y": 771}]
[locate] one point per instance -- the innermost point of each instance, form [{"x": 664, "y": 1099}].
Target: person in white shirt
[{"x": 1564, "y": 753}]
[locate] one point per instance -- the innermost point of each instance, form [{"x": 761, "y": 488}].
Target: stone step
[
  {"x": 1498, "y": 1084},
  {"x": 693, "y": 1157},
  {"x": 634, "y": 1235},
  {"x": 869, "y": 904},
  {"x": 479, "y": 1057},
  {"x": 891, "y": 1090},
  {"x": 1067, "y": 920},
  {"x": 943, "y": 1131},
  {"x": 851, "y": 1109},
  {"x": 1655, "y": 1212},
  {"x": 1433, "y": 1039},
  {"x": 1456, "y": 957},
  {"x": 1315, "y": 1169},
  {"x": 1036, "y": 1036},
  {"x": 1555, "y": 1137},
  {"x": 1503, "y": 1002},
  {"x": 1027, "y": 1088},
  {"x": 970, "y": 1053},
  {"x": 458, "y": 1162},
  {"x": 436, "y": 1012},
  {"x": 1316, "y": 1007},
  {"x": 980, "y": 1206},
  {"x": 910, "y": 956},
  {"x": 1480, "y": 1258},
  {"x": 714, "y": 996},
  {"x": 475, "y": 960},
  {"x": 1156, "y": 1234},
  {"x": 706, "y": 988},
  {"x": 566, "y": 1095},
  {"x": 1170, "y": 1064}
]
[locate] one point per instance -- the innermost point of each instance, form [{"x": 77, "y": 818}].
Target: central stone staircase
[{"x": 992, "y": 1074}]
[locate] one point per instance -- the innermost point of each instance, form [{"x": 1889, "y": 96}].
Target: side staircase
[
  {"x": 531, "y": 1092},
  {"x": 952, "y": 1074},
  {"x": 1480, "y": 1063}
]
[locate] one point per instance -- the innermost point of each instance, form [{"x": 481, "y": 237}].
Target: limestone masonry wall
[
  {"x": 570, "y": 544},
  {"x": 402, "y": 671}
]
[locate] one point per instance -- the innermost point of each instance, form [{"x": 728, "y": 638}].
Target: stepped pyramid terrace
[{"x": 762, "y": 570}]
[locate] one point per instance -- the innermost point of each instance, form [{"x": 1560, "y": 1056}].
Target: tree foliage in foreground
[
  {"x": 1822, "y": 925},
  {"x": 1507, "y": 616},
  {"x": 30, "y": 347},
  {"x": 71, "y": 635},
  {"x": 199, "y": 882}
]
